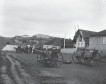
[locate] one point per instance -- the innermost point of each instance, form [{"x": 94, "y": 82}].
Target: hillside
[
  {"x": 42, "y": 36},
  {"x": 37, "y": 40},
  {"x": 54, "y": 41},
  {"x": 5, "y": 40}
]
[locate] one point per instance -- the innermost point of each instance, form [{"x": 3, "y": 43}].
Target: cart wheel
[
  {"x": 96, "y": 60},
  {"x": 52, "y": 63},
  {"x": 58, "y": 63},
  {"x": 83, "y": 61},
  {"x": 75, "y": 57},
  {"x": 88, "y": 58},
  {"x": 60, "y": 57}
]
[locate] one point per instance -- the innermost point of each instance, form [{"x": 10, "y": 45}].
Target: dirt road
[
  {"x": 16, "y": 75},
  {"x": 22, "y": 69}
]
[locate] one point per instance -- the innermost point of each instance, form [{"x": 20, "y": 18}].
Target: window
[
  {"x": 81, "y": 44},
  {"x": 104, "y": 40}
]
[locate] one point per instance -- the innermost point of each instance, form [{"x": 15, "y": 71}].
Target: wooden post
[{"x": 64, "y": 40}]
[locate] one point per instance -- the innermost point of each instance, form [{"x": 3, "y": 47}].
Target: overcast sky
[{"x": 51, "y": 17}]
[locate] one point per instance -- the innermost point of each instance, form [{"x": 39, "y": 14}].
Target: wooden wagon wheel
[
  {"x": 95, "y": 61},
  {"x": 87, "y": 58},
  {"x": 52, "y": 63},
  {"x": 56, "y": 60},
  {"x": 59, "y": 60},
  {"x": 55, "y": 63},
  {"x": 75, "y": 56},
  {"x": 60, "y": 57}
]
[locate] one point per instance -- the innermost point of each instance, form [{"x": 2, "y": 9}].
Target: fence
[{"x": 68, "y": 50}]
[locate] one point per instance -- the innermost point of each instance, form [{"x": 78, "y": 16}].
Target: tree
[
  {"x": 33, "y": 38},
  {"x": 24, "y": 41},
  {"x": 68, "y": 43},
  {"x": 7, "y": 43}
]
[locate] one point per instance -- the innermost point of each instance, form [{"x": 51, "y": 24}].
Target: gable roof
[
  {"x": 85, "y": 33},
  {"x": 101, "y": 33}
]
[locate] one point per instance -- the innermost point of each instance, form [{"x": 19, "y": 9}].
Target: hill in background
[
  {"x": 43, "y": 36},
  {"x": 38, "y": 40}
]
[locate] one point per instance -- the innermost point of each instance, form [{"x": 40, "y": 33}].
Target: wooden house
[
  {"x": 98, "y": 41},
  {"x": 81, "y": 38}
]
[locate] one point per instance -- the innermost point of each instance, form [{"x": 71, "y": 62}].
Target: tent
[{"x": 9, "y": 48}]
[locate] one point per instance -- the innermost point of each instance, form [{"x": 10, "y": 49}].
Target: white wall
[
  {"x": 68, "y": 50},
  {"x": 47, "y": 46},
  {"x": 80, "y": 44},
  {"x": 50, "y": 46}
]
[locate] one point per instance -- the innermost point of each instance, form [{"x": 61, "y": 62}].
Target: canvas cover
[{"x": 9, "y": 48}]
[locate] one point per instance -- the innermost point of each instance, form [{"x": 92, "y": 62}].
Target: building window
[
  {"x": 104, "y": 40},
  {"x": 81, "y": 44}
]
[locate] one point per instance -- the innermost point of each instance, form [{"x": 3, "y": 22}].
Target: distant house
[
  {"x": 98, "y": 41},
  {"x": 81, "y": 38},
  {"x": 54, "y": 43}
]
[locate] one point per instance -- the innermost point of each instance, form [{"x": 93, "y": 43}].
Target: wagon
[
  {"x": 87, "y": 56},
  {"x": 19, "y": 49},
  {"x": 51, "y": 58}
]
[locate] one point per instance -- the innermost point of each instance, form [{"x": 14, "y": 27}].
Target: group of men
[{"x": 26, "y": 49}]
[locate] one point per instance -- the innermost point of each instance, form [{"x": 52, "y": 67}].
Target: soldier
[
  {"x": 26, "y": 49},
  {"x": 30, "y": 49}
]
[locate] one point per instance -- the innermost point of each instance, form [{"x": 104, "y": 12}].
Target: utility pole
[
  {"x": 75, "y": 29},
  {"x": 64, "y": 40}
]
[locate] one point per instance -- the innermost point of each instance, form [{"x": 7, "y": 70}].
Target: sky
[{"x": 60, "y": 18}]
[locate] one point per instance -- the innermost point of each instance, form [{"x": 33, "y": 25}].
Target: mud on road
[{"x": 13, "y": 73}]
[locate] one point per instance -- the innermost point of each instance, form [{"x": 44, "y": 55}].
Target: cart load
[{"x": 49, "y": 58}]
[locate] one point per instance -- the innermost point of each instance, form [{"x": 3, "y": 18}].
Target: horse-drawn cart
[
  {"x": 87, "y": 56},
  {"x": 51, "y": 58}
]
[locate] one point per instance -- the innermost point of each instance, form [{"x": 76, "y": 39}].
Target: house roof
[
  {"x": 85, "y": 33},
  {"x": 101, "y": 33}
]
